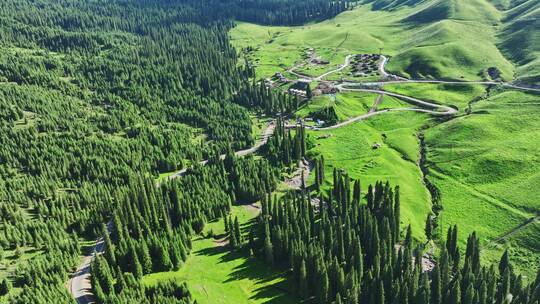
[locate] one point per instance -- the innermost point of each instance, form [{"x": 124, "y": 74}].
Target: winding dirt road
[
  {"x": 433, "y": 108},
  {"x": 446, "y": 110},
  {"x": 268, "y": 131},
  {"x": 386, "y": 75},
  {"x": 80, "y": 285},
  {"x": 341, "y": 67},
  {"x": 395, "y": 79}
]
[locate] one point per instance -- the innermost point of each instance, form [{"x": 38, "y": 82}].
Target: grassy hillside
[
  {"x": 471, "y": 10},
  {"x": 520, "y": 40},
  {"x": 514, "y": 24},
  {"x": 451, "y": 49},
  {"x": 483, "y": 164},
  {"x": 486, "y": 166},
  {"x": 448, "y": 94},
  {"x": 458, "y": 46}
]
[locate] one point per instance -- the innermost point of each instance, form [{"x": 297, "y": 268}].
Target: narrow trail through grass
[
  {"x": 480, "y": 194},
  {"x": 513, "y": 231}
]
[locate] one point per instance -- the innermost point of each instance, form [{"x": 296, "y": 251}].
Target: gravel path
[
  {"x": 80, "y": 285},
  {"x": 261, "y": 142}
]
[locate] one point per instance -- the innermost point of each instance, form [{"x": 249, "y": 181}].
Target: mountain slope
[
  {"x": 520, "y": 40},
  {"x": 478, "y": 34},
  {"x": 470, "y": 10},
  {"x": 451, "y": 49},
  {"x": 392, "y": 4}
]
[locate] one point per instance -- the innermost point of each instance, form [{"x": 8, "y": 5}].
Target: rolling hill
[
  {"x": 508, "y": 25},
  {"x": 520, "y": 39},
  {"x": 459, "y": 40}
]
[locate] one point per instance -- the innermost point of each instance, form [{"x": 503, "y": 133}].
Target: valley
[
  {"x": 270, "y": 151},
  {"x": 466, "y": 97}
]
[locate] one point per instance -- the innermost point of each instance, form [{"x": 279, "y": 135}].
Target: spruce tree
[
  {"x": 504, "y": 263},
  {"x": 503, "y": 289},
  {"x": 163, "y": 260},
  {"x": 5, "y": 286},
  {"x": 469, "y": 295},
  {"x": 397, "y": 213},
  {"x": 309, "y": 93},
  {"x": 324, "y": 287},
  {"x": 238, "y": 233},
  {"x": 268, "y": 252},
  {"x": 146, "y": 259},
  {"x": 436, "y": 288},
  {"x": 226, "y": 224},
  {"x": 455, "y": 292},
  {"x": 303, "y": 283},
  {"x": 429, "y": 227}
]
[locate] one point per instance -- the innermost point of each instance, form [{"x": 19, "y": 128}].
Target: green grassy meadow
[
  {"x": 458, "y": 95},
  {"x": 348, "y": 105},
  {"x": 345, "y": 105},
  {"x": 486, "y": 167},
  {"x": 215, "y": 275}
]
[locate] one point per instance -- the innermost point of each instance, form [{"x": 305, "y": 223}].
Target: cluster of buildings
[
  {"x": 325, "y": 88},
  {"x": 365, "y": 64},
  {"x": 281, "y": 78},
  {"x": 300, "y": 87}
]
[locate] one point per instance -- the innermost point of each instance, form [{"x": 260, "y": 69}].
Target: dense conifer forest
[
  {"x": 151, "y": 227},
  {"x": 282, "y": 12},
  {"x": 98, "y": 98},
  {"x": 341, "y": 249},
  {"x": 93, "y": 96}
]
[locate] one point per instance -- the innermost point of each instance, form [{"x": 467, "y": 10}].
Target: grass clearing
[
  {"x": 390, "y": 102},
  {"x": 9, "y": 262},
  {"x": 28, "y": 120},
  {"x": 345, "y": 105},
  {"x": 215, "y": 275},
  {"x": 258, "y": 126}
]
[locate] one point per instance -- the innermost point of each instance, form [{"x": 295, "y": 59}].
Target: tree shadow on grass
[
  {"x": 227, "y": 255},
  {"x": 254, "y": 270},
  {"x": 246, "y": 227},
  {"x": 211, "y": 251},
  {"x": 275, "y": 294}
]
